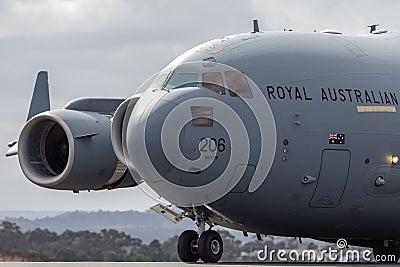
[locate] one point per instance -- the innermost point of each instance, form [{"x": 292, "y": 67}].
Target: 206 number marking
[{"x": 212, "y": 144}]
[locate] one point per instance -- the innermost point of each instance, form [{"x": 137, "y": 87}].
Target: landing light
[{"x": 395, "y": 159}]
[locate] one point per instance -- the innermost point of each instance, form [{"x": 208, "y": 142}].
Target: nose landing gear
[
  {"x": 208, "y": 247},
  {"x": 188, "y": 246}
]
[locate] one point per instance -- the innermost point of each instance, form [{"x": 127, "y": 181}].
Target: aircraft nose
[{"x": 192, "y": 145}]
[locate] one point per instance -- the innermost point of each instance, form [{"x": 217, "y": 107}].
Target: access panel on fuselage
[{"x": 332, "y": 178}]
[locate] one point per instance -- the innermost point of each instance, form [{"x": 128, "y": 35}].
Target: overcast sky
[{"x": 109, "y": 47}]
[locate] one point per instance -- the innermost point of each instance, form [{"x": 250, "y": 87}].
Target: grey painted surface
[
  {"x": 40, "y": 98},
  {"x": 334, "y": 75},
  {"x": 163, "y": 264},
  {"x": 314, "y": 86}
]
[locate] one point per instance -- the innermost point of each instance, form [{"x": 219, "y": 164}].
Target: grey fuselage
[
  {"x": 334, "y": 99},
  {"x": 334, "y": 75}
]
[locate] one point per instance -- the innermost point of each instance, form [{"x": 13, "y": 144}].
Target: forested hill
[
  {"x": 107, "y": 245},
  {"x": 144, "y": 225},
  {"x": 112, "y": 245}
]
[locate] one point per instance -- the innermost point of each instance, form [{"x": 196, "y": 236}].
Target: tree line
[
  {"x": 115, "y": 246},
  {"x": 107, "y": 245}
]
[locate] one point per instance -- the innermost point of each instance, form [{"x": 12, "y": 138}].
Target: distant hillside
[
  {"x": 111, "y": 245},
  {"x": 144, "y": 225},
  {"x": 29, "y": 214}
]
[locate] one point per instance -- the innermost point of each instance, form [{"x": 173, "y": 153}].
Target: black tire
[
  {"x": 187, "y": 246},
  {"x": 211, "y": 246},
  {"x": 386, "y": 254}
]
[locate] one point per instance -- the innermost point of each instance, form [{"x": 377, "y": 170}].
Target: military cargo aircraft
[{"x": 273, "y": 133}]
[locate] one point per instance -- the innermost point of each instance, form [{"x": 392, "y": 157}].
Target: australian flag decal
[{"x": 336, "y": 139}]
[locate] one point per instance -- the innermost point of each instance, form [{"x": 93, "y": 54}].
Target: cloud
[
  {"x": 93, "y": 48},
  {"x": 108, "y": 47},
  {"x": 350, "y": 17}
]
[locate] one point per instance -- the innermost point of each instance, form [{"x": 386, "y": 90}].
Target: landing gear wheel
[
  {"x": 210, "y": 246},
  {"x": 187, "y": 246},
  {"x": 386, "y": 254}
]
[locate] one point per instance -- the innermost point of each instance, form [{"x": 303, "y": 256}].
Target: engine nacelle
[
  {"x": 69, "y": 150},
  {"x": 119, "y": 126}
]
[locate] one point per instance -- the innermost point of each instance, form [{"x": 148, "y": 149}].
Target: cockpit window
[
  {"x": 213, "y": 81},
  {"x": 238, "y": 84},
  {"x": 181, "y": 80},
  {"x": 159, "y": 81}
]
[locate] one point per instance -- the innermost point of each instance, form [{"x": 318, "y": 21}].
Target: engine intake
[{"x": 69, "y": 150}]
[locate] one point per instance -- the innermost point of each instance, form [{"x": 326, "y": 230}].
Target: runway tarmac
[{"x": 170, "y": 264}]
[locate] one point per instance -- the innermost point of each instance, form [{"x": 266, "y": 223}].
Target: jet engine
[
  {"x": 69, "y": 150},
  {"x": 119, "y": 126}
]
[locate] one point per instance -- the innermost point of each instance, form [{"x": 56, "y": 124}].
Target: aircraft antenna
[
  {"x": 372, "y": 27},
  {"x": 256, "y": 28}
]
